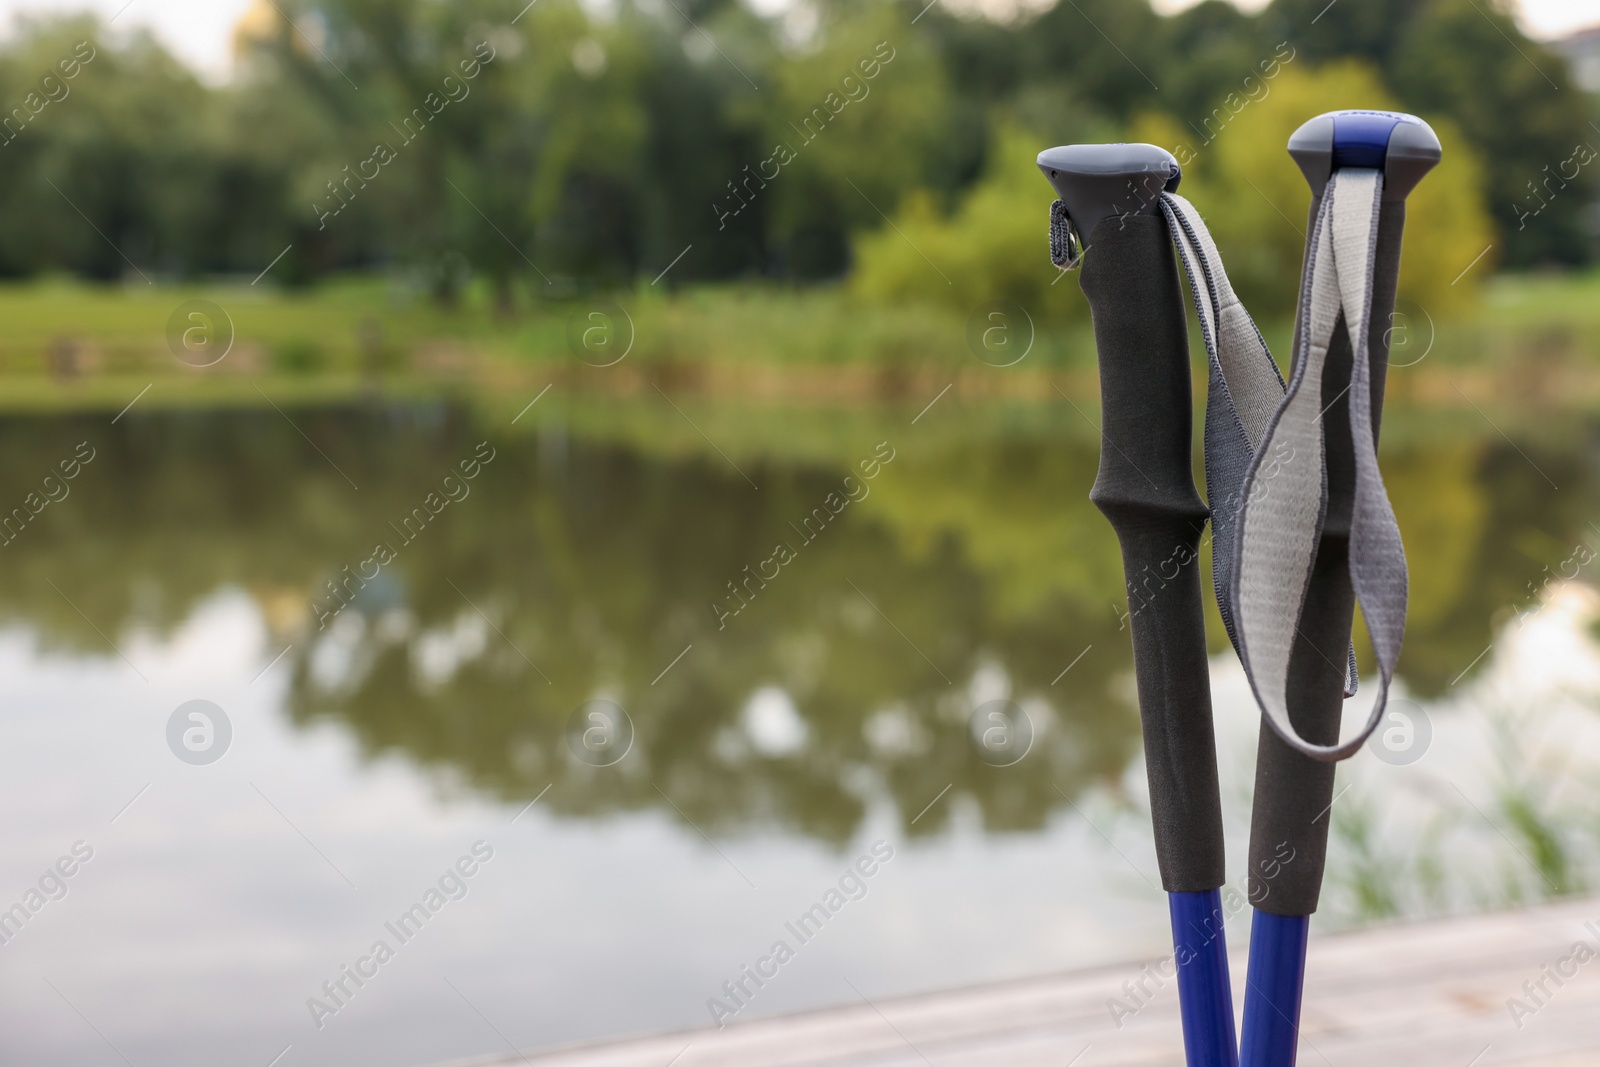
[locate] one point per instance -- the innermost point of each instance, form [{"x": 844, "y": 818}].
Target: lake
[{"x": 617, "y": 691}]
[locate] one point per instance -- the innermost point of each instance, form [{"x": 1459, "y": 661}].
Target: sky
[
  {"x": 200, "y": 31},
  {"x": 1540, "y": 18}
]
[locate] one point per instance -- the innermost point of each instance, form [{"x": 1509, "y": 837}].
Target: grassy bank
[{"x": 69, "y": 345}]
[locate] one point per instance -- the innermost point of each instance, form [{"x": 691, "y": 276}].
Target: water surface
[{"x": 799, "y": 649}]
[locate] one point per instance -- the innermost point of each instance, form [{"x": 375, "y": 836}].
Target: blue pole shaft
[
  {"x": 1205, "y": 997},
  {"x": 1272, "y": 989}
]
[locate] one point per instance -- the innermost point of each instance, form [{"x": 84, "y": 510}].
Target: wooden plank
[{"x": 1423, "y": 995}]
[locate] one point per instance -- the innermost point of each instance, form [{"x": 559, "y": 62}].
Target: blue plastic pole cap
[
  {"x": 1101, "y": 181},
  {"x": 1402, "y": 146}
]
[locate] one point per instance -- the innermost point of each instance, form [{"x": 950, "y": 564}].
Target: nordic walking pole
[
  {"x": 1145, "y": 487},
  {"x": 1361, "y": 165}
]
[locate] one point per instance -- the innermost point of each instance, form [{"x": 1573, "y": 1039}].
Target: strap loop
[
  {"x": 1244, "y": 390},
  {"x": 1066, "y": 247},
  {"x": 1282, "y": 513}
]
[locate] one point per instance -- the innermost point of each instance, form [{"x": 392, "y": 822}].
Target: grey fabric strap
[
  {"x": 1283, "y": 498},
  {"x": 1244, "y": 390}
]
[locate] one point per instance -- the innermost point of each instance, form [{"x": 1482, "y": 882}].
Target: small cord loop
[{"x": 1066, "y": 248}]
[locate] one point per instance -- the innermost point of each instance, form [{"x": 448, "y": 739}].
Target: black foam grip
[
  {"x": 1294, "y": 793},
  {"x": 1145, "y": 487}
]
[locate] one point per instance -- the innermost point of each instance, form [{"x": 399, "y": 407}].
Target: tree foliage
[
  {"x": 993, "y": 248},
  {"x": 595, "y": 147}
]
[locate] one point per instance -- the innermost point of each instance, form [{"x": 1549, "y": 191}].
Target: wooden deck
[{"x": 1416, "y": 995}]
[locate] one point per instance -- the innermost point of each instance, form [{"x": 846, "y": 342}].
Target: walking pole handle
[
  {"x": 1293, "y": 792},
  {"x": 1145, "y": 485}
]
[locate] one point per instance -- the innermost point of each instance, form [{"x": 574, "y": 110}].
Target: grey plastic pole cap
[
  {"x": 1101, "y": 181},
  {"x": 1403, "y": 146}
]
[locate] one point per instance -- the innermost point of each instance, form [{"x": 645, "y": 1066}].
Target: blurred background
[{"x": 401, "y": 377}]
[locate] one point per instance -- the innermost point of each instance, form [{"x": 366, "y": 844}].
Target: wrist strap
[{"x": 1283, "y": 507}]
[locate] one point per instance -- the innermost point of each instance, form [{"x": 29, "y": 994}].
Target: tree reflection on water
[{"x": 585, "y": 566}]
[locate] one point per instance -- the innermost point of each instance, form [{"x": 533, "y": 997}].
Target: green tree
[
  {"x": 994, "y": 246},
  {"x": 1466, "y": 60},
  {"x": 1519, "y": 109},
  {"x": 852, "y": 125},
  {"x": 113, "y": 160}
]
